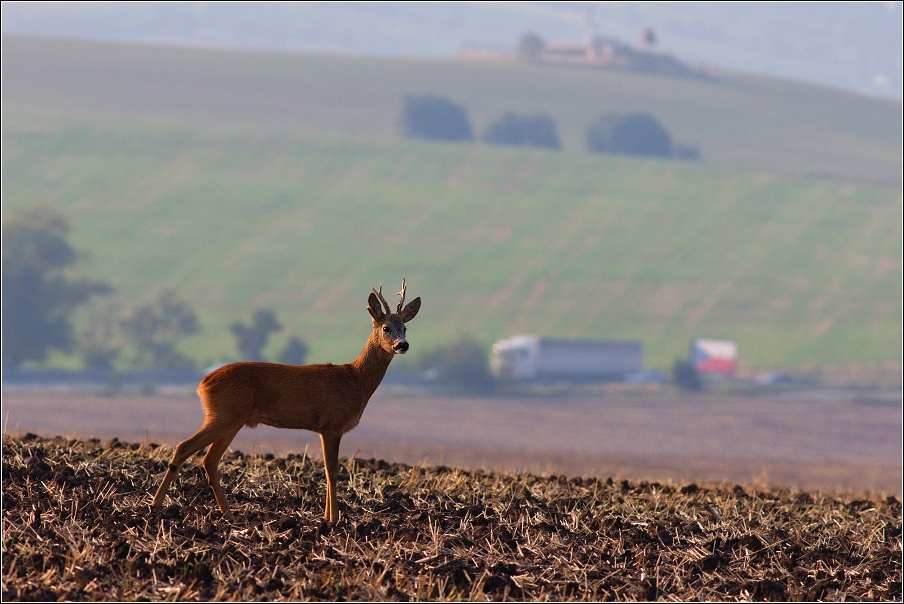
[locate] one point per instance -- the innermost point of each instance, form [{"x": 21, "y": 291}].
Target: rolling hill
[
  {"x": 249, "y": 180},
  {"x": 740, "y": 121}
]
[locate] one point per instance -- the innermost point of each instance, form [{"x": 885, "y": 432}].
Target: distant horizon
[
  {"x": 213, "y": 46},
  {"x": 847, "y": 47}
]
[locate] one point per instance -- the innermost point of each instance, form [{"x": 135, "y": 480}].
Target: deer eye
[{"x": 385, "y": 329}]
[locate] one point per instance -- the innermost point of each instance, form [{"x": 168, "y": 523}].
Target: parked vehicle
[
  {"x": 533, "y": 358},
  {"x": 716, "y": 358}
]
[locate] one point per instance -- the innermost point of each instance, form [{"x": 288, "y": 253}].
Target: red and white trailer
[{"x": 714, "y": 357}]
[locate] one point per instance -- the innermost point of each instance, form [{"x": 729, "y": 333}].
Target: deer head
[{"x": 389, "y": 327}]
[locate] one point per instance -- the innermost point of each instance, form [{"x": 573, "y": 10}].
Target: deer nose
[{"x": 402, "y": 347}]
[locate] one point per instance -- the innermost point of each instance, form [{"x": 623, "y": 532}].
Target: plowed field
[{"x": 77, "y": 526}]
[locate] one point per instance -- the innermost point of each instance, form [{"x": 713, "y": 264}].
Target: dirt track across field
[{"x": 838, "y": 442}]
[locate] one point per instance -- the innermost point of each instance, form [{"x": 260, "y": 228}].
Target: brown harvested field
[
  {"x": 828, "y": 440},
  {"x": 77, "y": 526}
]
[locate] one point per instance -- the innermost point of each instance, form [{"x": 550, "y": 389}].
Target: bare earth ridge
[{"x": 845, "y": 442}]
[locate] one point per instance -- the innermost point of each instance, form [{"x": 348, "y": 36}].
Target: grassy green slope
[
  {"x": 495, "y": 240},
  {"x": 739, "y": 121}
]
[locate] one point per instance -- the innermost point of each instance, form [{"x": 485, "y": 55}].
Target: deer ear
[
  {"x": 374, "y": 308},
  {"x": 410, "y": 310}
]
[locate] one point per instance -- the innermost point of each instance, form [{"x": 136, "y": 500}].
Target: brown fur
[{"x": 327, "y": 399}]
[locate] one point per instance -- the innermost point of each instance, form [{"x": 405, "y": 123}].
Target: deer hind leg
[
  {"x": 211, "y": 460},
  {"x": 208, "y": 433},
  {"x": 330, "y": 444}
]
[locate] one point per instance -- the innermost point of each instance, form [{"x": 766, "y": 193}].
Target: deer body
[
  {"x": 327, "y": 399},
  {"x": 314, "y": 397}
]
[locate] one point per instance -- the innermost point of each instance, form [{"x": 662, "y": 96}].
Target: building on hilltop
[
  {"x": 609, "y": 53},
  {"x": 599, "y": 52}
]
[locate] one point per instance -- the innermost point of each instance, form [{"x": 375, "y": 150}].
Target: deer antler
[
  {"x": 401, "y": 296},
  {"x": 382, "y": 299}
]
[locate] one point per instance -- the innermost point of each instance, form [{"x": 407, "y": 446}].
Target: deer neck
[{"x": 371, "y": 366}]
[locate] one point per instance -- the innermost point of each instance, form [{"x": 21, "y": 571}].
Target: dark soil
[{"x": 77, "y": 526}]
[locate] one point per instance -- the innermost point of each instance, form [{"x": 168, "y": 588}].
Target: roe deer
[{"x": 327, "y": 399}]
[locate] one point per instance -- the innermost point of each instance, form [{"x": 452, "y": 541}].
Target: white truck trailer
[{"x": 531, "y": 358}]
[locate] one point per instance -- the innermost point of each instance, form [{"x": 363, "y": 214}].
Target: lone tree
[
  {"x": 251, "y": 339},
  {"x": 632, "y": 134},
  {"x": 101, "y": 339},
  {"x": 39, "y": 297},
  {"x": 435, "y": 118},
  {"x": 294, "y": 352},
  {"x": 533, "y": 130},
  {"x": 155, "y": 328}
]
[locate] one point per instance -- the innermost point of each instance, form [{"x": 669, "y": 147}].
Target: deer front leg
[{"x": 330, "y": 443}]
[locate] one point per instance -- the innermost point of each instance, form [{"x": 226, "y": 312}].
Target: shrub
[
  {"x": 294, "y": 352},
  {"x": 530, "y": 45},
  {"x": 633, "y": 134},
  {"x": 536, "y": 131},
  {"x": 688, "y": 152},
  {"x": 435, "y": 118},
  {"x": 685, "y": 376},
  {"x": 461, "y": 365}
]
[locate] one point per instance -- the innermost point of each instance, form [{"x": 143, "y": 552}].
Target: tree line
[
  {"x": 42, "y": 293},
  {"x": 437, "y": 118}
]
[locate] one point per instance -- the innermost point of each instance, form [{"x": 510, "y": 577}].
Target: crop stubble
[{"x": 77, "y": 526}]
